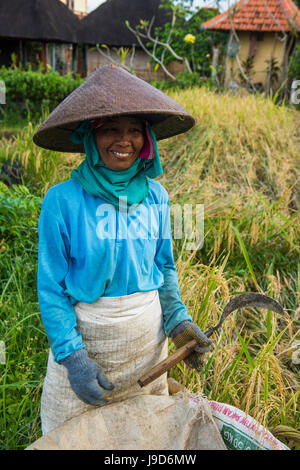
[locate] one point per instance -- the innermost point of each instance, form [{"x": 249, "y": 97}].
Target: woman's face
[{"x": 119, "y": 141}]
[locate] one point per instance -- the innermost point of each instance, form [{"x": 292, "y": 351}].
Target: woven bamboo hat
[{"x": 111, "y": 91}]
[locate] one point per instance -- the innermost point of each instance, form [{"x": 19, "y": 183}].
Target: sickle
[
  {"x": 246, "y": 300},
  {"x": 243, "y": 300}
]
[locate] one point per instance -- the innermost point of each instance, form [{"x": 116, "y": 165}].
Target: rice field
[{"x": 242, "y": 163}]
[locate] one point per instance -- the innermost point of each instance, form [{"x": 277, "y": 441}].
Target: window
[{"x": 259, "y": 36}]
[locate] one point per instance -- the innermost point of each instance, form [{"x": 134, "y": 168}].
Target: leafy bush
[
  {"x": 189, "y": 23},
  {"x": 30, "y": 93}
]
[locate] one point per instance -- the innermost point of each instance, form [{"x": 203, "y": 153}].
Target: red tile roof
[{"x": 258, "y": 15}]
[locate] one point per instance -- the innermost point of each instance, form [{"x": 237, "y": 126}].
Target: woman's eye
[{"x": 116, "y": 129}]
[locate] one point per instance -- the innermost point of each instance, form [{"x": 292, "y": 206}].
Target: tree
[{"x": 181, "y": 39}]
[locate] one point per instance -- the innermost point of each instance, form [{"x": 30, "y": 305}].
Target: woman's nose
[{"x": 123, "y": 136}]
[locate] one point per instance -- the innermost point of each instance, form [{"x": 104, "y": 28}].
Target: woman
[{"x": 107, "y": 283}]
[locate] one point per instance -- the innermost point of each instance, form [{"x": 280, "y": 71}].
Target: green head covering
[{"x": 100, "y": 180}]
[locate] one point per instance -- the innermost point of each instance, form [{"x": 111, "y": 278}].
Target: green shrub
[
  {"x": 30, "y": 93},
  {"x": 188, "y": 22}
]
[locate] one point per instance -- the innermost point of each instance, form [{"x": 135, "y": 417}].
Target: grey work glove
[
  {"x": 185, "y": 332},
  {"x": 86, "y": 378}
]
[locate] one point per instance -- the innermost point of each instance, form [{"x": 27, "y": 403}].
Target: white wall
[
  {"x": 80, "y": 6},
  {"x": 140, "y": 63}
]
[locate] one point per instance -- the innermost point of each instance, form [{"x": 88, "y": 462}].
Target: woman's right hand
[{"x": 86, "y": 378}]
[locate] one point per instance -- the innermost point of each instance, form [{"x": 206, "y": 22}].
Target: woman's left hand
[{"x": 185, "y": 332}]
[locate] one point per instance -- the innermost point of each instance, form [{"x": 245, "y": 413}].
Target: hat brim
[
  {"x": 111, "y": 91},
  {"x": 58, "y": 137}
]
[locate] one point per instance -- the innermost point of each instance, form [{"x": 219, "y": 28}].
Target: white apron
[{"x": 125, "y": 336}]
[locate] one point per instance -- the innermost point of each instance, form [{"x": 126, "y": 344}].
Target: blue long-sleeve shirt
[{"x": 88, "y": 249}]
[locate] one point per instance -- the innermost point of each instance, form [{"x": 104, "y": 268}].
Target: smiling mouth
[{"x": 121, "y": 155}]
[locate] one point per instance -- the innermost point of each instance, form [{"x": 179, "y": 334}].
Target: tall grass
[{"x": 242, "y": 162}]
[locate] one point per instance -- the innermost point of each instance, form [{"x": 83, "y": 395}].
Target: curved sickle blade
[
  {"x": 247, "y": 300},
  {"x": 242, "y": 300}
]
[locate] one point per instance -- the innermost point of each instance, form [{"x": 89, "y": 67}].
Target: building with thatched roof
[
  {"x": 38, "y": 31},
  {"x": 106, "y": 26},
  {"x": 262, "y": 36}
]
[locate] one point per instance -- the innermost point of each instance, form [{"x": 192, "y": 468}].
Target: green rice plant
[{"x": 246, "y": 256}]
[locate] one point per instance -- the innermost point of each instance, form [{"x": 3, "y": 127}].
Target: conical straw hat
[{"x": 111, "y": 91}]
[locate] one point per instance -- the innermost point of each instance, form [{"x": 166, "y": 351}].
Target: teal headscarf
[{"x": 100, "y": 180}]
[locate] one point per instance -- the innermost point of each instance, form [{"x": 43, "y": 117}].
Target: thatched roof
[
  {"x": 38, "y": 20},
  {"x": 106, "y": 24}
]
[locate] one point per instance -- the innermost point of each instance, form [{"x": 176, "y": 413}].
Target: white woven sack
[{"x": 143, "y": 422}]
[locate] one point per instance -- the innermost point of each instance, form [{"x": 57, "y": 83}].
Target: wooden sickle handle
[{"x": 168, "y": 363}]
